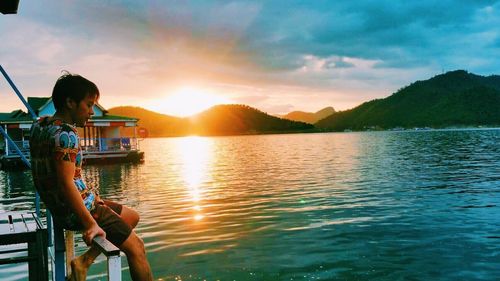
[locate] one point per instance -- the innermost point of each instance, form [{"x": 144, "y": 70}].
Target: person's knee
[
  {"x": 135, "y": 219},
  {"x": 130, "y": 216},
  {"x": 134, "y": 246}
]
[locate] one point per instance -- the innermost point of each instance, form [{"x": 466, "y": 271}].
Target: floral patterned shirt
[{"x": 53, "y": 140}]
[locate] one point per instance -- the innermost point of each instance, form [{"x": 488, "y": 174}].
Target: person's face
[{"x": 83, "y": 110}]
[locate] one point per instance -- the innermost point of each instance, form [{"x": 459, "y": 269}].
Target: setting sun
[{"x": 188, "y": 101}]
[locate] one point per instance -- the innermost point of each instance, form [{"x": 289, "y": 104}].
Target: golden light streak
[{"x": 196, "y": 157}]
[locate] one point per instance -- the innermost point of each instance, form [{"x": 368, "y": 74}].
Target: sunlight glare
[
  {"x": 189, "y": 101},
  {"x": 196, "y": 154}
]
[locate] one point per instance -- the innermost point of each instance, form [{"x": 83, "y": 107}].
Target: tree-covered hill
[
  {"x": 158, "y": 125},
  {"x": 456, "y": 98},
  {"x": 309, "y": 117},
  {"x": 218, "y": 120},
  {"x": 241, "y": 119}
]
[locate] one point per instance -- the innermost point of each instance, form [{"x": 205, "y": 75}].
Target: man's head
[{"x": 74, "y": 96}]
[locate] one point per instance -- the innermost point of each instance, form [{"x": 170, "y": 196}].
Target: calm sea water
[{"x": 340, "y": 206}]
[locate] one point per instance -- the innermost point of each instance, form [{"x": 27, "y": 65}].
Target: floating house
[{"x": 104, "y": 139}]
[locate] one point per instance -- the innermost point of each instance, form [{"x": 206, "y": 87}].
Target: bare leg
[
  {"x": 80, "y": 265},
  {"x": 133, "y": 247},
  {"x": 130, "y": 216},
  {"x": 136, "y": 256}
]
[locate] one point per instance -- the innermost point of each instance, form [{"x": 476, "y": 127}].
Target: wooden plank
[
  {"x": 30, "y": 222},
  {"x": 19, "y": 227},
  {"x": 42, "y": 257},
  {"x": 31, "y": 226},
  {"x": 24, "y": 228},
  {"x": 70, "y": 250},
  {"x": 13, "y": 230},
  {"x": 11, "y": 223},
  {"x": 18, "y": 224},
  {"x": 59, "y": 268},
  {"x": 16, "y": 238},
  {"x": 4, "y": 227},
  {"x": 25, "y": 223},
  {"x": 4, "y": 221},
  {"x": 106, "y": 247},
  {"x": 33, "y": 266},
  {"x": 9, "y": 251},
  {"x": 38, "y": 221},
  {"x": 15, "y": 260}
]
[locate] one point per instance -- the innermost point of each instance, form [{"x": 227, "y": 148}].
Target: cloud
[
  {"x": 274, "y": 36},
  {"x": 266, "y": 53},
  {"x": 393, "y": 32}
]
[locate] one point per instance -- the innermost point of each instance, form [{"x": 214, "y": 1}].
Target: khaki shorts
[{"x": 107, "y": 216}]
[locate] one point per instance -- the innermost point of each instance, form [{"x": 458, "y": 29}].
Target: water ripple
[{"x": 340, "y": 206}]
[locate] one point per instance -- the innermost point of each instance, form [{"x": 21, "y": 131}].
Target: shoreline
[{"x": 315, "y": 131}]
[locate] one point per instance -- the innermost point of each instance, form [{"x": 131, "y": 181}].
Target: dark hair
[{"x": 72, "y": 86}]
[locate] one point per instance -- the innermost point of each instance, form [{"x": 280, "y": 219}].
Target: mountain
[
  {"x": 456, "y": 98},
  {"x": 236, "y": 119},
  {"x": 218, "y": 120},
  {"x": 309, "y": 117},
  {"x": 158, "y": 125}
]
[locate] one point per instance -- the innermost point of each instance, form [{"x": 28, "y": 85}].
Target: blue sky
[{"x": 277, "y": 56}]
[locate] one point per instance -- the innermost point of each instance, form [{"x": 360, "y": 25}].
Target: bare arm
[{"x": 65, "y": 172}]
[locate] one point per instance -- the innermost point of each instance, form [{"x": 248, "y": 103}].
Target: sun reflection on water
[{"x": 196, "y": 157}]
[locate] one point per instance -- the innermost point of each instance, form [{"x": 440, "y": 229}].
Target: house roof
[
  {"x": 113, "y": 117},
  {"x": 19, "y": 116},
  {"x": 16, "y": 116},
  {"x": 37, "y": 103}
]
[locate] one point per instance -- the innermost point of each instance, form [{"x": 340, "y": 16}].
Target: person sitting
[{"x": 56, "y": 159}]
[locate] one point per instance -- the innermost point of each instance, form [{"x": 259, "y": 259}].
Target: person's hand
[{"x": 91, "y": 232}]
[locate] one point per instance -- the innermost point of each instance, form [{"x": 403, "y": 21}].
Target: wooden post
[
  {"x": 33, "y": 267},
  {"x": 43, "y": 258},
  {"x": 70, "y": 250},
  {"x": 114, "y": 268},
  {"x": 109, "y": 250},
  {"x": 112, "y": 253},
  {"x": 136, "y": 142},
  {"x": 50, "y": 236},
  {"x": 94, "y": 135},
  {"x": 59, "y": 254},
  {"x": 99, "y": 137},
  {"x": 6, "y": 141}
]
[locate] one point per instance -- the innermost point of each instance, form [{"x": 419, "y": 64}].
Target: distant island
[{"x": 456, "y": 98}]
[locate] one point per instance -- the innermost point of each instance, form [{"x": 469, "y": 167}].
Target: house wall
[
  {"x": 16, "y": 134},
  {"x": 97, "y": 111},
  {"x": 2, "y": 144},
  {"x": 110, "y": 132},
  {"x": 48, "y": 110}
]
